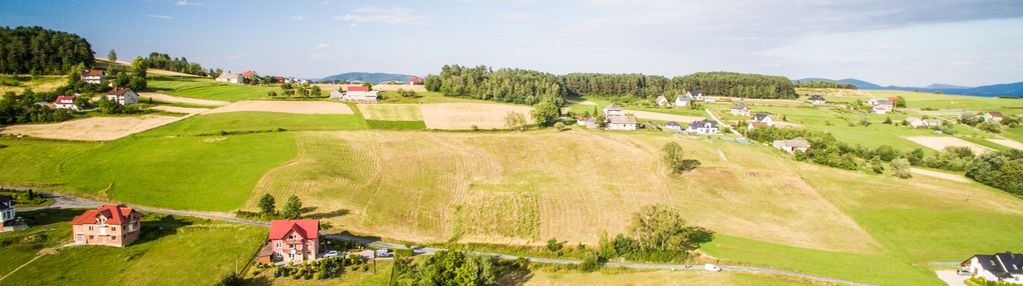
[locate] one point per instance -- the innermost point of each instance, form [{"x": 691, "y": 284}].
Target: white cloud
[
  {"x": 162, "y": 17},
  {"x": 373, "y": 14},
  {"x": 187, "y": 3}
]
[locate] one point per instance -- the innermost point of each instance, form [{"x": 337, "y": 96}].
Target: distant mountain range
[
  {"x": 372, "y": 77},
  {"x": 1008, "y": 89}
]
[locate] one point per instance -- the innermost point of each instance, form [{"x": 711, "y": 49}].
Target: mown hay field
[
  {"x": 391, "y": 112},
  {"x": 91, "y": 128},
  {"x": 463, "y": 116}
]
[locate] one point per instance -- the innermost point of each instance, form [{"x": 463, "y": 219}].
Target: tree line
[
  {"x": 165, "y": 62},
  {"x": 824, "y": 84},
  {"x": 531, "y": 87},
  {"x": 39, "y": 51}
]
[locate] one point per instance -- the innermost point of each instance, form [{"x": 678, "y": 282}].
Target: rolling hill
[
  {"x": 1008, "y": 89},
  {"x": 366, "y": 77}
]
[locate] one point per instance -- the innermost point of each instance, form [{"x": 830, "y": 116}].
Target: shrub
[{"x": 590, "y": 263}]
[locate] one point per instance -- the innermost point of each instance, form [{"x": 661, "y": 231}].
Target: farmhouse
[
  {"x": 740, "y": 109},
  {"x": 248, "y": 74},
  {"x": 760, "y": 119},
  {"x": 230, "y": 77},
  {"x": 66, "y": 102},
  {"x": 662, "y": 101},
  {"x": 703, "y": 127},
  {"x": 683, "y": 100},
  {"x": 355, "y": 93},
  {"x": 9, "y": 220},
  {"x": 415, "y": 80},
  {"x": 914, "y": 122},
  {"x": 291, "y": 241},
  {"x": 694, "y": 94},
  {"x": 883, "y": 106},
  {"x": 92, "y": 76},
  {"x": 932, "y": 122},
  {"x": 997, "y": 116},
  {"x": 123, "y": 96},
  {"x": 1001, "y": 267},
  {"x": 621, "y": 123},
  {"x": 673, "y": 126},
  {"x": 816, "y": 99},
  {"x": 613, "y": 110},
  {"x": 792, "y": 145},
  {"x": 111, "y": 225}
]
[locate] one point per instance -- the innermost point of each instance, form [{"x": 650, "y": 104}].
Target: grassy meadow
[
  {"x": 171, "y": 250},
  {"x": 212, "y": 124},
  {"x": 207, "y": 88}
]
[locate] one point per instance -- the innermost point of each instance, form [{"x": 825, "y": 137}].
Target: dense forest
[
  {"x": 41, "y": 51},
  {"x": 825, "y": 84},
  {"x": 165, "y": 62},
  {"x": 504, "y": 85},
  {"x": 738, "y": 85},
  {"x": 530, "y": 87}
]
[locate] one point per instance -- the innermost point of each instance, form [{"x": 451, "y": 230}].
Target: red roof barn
[
  {"x": 357, "y": 88},
  {"x": 249, "y": 73}
]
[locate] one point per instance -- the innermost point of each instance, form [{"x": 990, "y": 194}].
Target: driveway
[{"x": 951, "y": 278}]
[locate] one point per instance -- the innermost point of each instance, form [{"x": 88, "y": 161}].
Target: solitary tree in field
[
  {"x": 267, "y": 205},
  {"x": 514, "y": 120},
  {"x": 545, "y": 113},
  {"x": 293, "y": 208},
  {"x": 662, "y": 228},
  {"x": 901, "y": 168},
  {"x": 674, "y": 156}
]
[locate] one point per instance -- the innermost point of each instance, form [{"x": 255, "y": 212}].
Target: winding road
[{"x": 71, "y": 202}]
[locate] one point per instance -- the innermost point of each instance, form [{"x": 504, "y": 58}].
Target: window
[
  {"x": 79, "y": 237},
  {"x": 278, "y": 245},
  {"x": 113, "y": 229},
  {"x": 91, "y": 237},
  {"x": 113, "y": 237},
  {"x": 90, "y": 227}
]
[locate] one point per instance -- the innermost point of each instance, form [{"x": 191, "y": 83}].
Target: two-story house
[
  {"x": 7, "y": 213},
  {"x": 123, "y": 96},
  {"x": 92, "y": 76},
  {"x": 112, "y": 225},
  {"x": 292, "y": 241}
]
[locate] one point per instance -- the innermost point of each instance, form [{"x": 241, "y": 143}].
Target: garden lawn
[
  {"x": 36, "y": 161},
  {"x": 209, "y": 124},
  {"x": 171, "y": 251},
  {"x": 197, "y": 173},
  {"x": 207, "y": 88}
]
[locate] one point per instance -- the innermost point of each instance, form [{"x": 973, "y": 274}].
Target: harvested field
[
  {"x": 327, "y": 87},
  {"x": 1008, "y": 143},
  {"x": 178, "y": 99},
  {"x": 391, "y": 112},
  {"x": 940, "y": 175},
  {"x": 664, "y": 116},
  {"x": 515, "y": 188},
  {"x": 298, "y": 107},
  {"x": 175, "y": 109},
  {"x": 92, "y": 128},
  {"x": 455, "y": 116},
  {"x": 940, "y": 143}
]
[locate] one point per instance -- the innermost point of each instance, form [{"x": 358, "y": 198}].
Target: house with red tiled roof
[
  {"x": 123, "y": 96},
  {"x": 111, "y": 225},
  {"x": 66, "y": 102},
  {"x": 415, "y": 80},
  {"x": 291, "y": 241},
  {"x": 92, "y": 76},
  {"x": 247, "y": 74}
]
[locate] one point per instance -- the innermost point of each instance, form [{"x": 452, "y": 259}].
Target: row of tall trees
[
  {"x": 531, "y": 87},
  {"x": 165, "y": 62},
  {"x": 504, "y": 85},
  {"x": 824, "y": 84},
  {"x": 40, "y": 51}
]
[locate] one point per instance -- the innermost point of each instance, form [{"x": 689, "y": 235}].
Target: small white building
[
  {"x": 92, "y": 76},
  {"x": 792, "y": 145},
  {"x": 760, "y": 119},
  {"x": 914, "y": 122},
  {"x": 1001, "y": 267},
  {"x": 694, "y": 94},
  {"x": 673, "y": 126},
  {"x": 683, "y": 100},
  {"x": 662, "y": 101},
  {"x": 613, "y": 110},
  {"x": 817, "y": 99},
  {"x": 355, "y": 93},
  {"x": 932, "y": 122},
  {"x": 66, "y": 102},
  {"x": 230, "y": 77},
  {"x": 123, "y": 96},
  {"x": 621, "y": 123},
  {"x": 703, "y": 127},
  {"x": 740, "y": 109}
]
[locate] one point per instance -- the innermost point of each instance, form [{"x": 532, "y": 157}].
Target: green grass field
[
  {"x": 207, "y": 88},
  {"x": 36, "y": 161},
  {"x": 207, "y": 124},
  {"x": 202, "y": 173},
  {"x": 171, "y": 250}
]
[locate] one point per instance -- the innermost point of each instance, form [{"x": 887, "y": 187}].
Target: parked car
[
  {"x": 711, "y": 267},
  {"x": 964, "y": 272},
  {"x": 383, "y": 252},
  {"x": 332, "y": 253}
]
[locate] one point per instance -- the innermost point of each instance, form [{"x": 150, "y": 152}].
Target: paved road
[
  {"x": 720, "y": 123},
  {"x": 65, "y": 201}
]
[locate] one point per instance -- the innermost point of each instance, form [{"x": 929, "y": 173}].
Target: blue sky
[{"x": 883, "y": 41}]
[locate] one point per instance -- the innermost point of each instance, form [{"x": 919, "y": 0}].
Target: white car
[
  {"x": 383, "y": 252},
  {"x": 332, "y": 253},
  {"x": 711, "y": 267}
]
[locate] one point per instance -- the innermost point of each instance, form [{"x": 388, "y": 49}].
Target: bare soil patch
[
  {"x": 175, "y": 109},
  {"x": 455, "y": 116},
  {"x": 1008, "y": 143},
  {"x": 185, "y": 100},
  {"x": 92, "y": 128},
  {"x": 940, "y": 143},
  {"x": 299, "y": 107}
]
